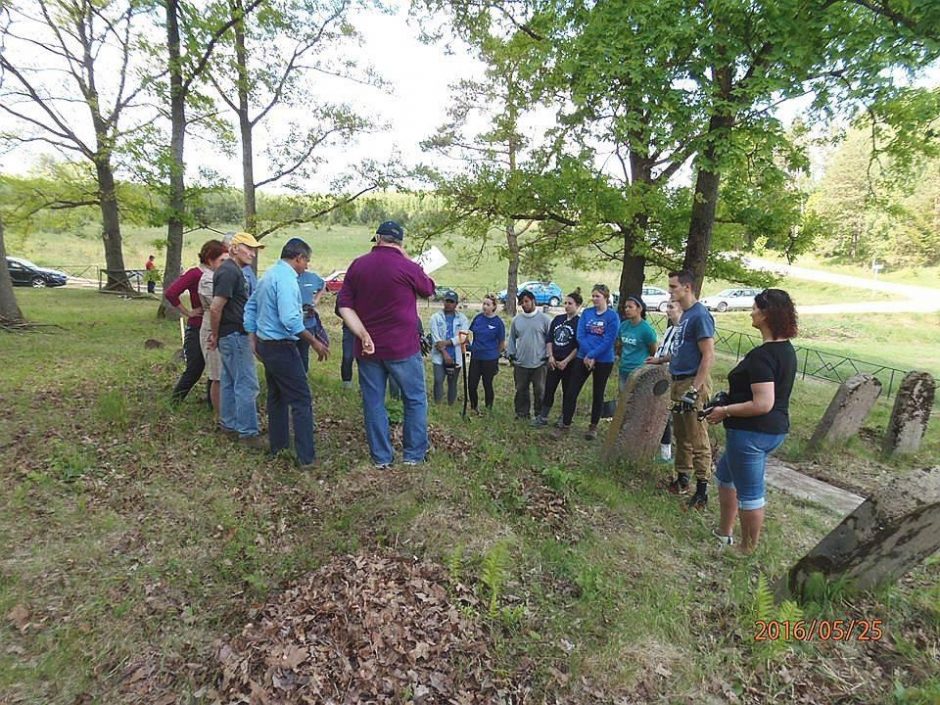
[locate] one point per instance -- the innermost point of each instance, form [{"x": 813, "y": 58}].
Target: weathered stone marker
[
  {"x": 884, "y": 538},
  {"x": 911, "y": 413},
  {"x": 847, "y": 410},
  {"x": 642, "y": 412}
]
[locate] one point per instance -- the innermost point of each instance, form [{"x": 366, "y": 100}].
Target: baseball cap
[
  {"x": 390, "y": 229},
  {"x": 525, "y": 292},
  {"x": 246, "y": 239},
  {"x": 450, "y": 295}
]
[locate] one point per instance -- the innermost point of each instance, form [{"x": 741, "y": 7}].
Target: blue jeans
[
  {"x": 288, "y": 391},
  {"x": 238, "y": 386},
  {"x": 409, "y": 375},
  {"x": 742, "y": 464}
]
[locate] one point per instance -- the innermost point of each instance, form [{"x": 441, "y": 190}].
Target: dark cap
[
  {"x": 450, "y": 295},
  {"x": 390, "y": 229},
  {"x": 524, "y": 293}
]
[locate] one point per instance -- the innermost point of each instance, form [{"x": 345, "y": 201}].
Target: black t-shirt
[
  {"x": 564, "y": 335},
  {"x": 229, "y": 281},
  {"x": 770, "y": 362}
]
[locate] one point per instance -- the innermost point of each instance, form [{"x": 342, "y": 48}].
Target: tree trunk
[
  {"x": 245, "y": 125},
  {"x": 111, "y": 225},
  {"x": 633, "y": 271},
  {"x": 512, "y": 275},
  {"x": 177, "y": 196},
  {"x": 9, "y": 310}
]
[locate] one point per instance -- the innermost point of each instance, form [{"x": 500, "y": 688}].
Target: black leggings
[
  {"x": 195, "y": 364},
  {"x": 553, "y": 378},
  {"x": 485, "y": 370},
  {"x": 579, "y": 376}
]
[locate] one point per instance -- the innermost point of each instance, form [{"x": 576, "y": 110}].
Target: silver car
[{"x": 731, "y": 300}]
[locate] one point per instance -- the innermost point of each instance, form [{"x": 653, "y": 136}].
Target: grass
[{"x": 136, "y": 537}]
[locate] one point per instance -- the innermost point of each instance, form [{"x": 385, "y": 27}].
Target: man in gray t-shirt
[{"x": 527, "y": 346}]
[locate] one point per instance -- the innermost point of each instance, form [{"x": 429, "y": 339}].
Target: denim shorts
[{"x": 742, "y": 464}]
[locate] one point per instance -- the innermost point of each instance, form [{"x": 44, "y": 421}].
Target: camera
[{"x": 720, "y": 399}]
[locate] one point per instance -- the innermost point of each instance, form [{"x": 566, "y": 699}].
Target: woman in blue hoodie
[{"x": 597, "y": 332}]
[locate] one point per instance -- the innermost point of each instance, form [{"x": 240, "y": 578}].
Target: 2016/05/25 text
[{"x": 820, "y": 629}]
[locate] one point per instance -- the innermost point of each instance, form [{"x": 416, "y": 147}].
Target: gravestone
[
  {"x": 911, "y": 413},
  {"x": 884, "y": 538},
  {"x": 847, "y": 411},
  {"x": 641, "y": 415}
]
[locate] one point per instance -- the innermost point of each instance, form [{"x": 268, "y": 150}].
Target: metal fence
[{"x": 818, "y": 364}]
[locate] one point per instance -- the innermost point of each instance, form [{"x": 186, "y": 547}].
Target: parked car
[
  {"x": 546, "y": 293},
  {"x": 25, "y": 273},
  {"x": 731, "y": 300},
  {"x": 334, "y": 281},
  {"x": 654, "y": 298}
]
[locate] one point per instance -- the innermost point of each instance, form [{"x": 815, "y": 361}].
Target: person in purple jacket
[
  {"x": 597, "y": 332},
  {"x": 378, "y": 304}
]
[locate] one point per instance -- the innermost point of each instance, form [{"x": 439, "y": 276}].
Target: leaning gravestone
[
  {"x": 885, "y": 537},
  {"x": 641, "y": 415},
  {"x": 847, "y": 410},
  {"x": 910, "y": 414}
]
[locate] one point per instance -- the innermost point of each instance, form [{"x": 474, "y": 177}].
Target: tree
[
  {"x": 48, "y": 39},
  {"x": 265, "y": 66},
  {"x": 9, "y": 309}
]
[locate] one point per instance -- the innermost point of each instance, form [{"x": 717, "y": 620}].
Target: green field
[
  {"x": 133, "y": 538},
  {"x": 335, "y": 248}
]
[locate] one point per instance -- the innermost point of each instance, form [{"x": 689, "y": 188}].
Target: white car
[
  {"x": 655, "y": 298},
  {"x": 731, "y": 300}
]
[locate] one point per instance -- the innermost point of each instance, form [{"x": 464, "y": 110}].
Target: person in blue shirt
[
  {"x": 597, "y": 332},
  {"x": 312, "y": 287},
  {"x": 446, "y": 359},
  {"x": 274, "y": 321},
  {"x": 690, "y": 366},
  {"x": 636, "y": 339},
  {"x": 489, "y": 340}
]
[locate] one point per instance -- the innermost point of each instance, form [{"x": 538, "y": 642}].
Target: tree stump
[
  {"x": 883, "y": 539},
  {"x": 847, "y": 411},
  {"x": 641, "y": 416},
  {"x": 911, "y": 413}
]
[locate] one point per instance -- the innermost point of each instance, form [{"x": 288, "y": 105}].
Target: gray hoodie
[{"x": 528, "y": 334}]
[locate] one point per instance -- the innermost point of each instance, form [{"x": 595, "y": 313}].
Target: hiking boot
[
  {"x": 591, "y": 433},
  {"x": 258, "y": 442},
  {"x": 228, "y": 432},
  {"x": 699, "y": 500},
  {"x": 561, "y": 431},
  {"x": 679, "y": 486},
  {"x": 539, "y": 421}
]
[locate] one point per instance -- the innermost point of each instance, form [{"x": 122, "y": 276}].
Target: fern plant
[
  {"x": 784, "y": 616},
  {"x": 493, "y": 575}
]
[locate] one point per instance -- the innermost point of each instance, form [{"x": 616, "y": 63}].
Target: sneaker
[
  {"x": 679, "y": 486},
  {"x": 699, "y": 500},
  {"x": 591, "y": 433},
  {"x": 723, "y": 540},
  {"x": 381, "y": 466},
  {"x": 259, "y": 442},
  {"x": 539, "y": 421},
  {"x": 347, "y": 385},
  {"x": 307, "y": 467},
  {"x": 561, "y": 431}
]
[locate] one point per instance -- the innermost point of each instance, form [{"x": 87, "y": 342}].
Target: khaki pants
[{"x": 693, "y": 449}]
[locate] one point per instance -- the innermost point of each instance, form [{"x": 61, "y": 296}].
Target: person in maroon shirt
[
  {"x": 192, "y": 350},
  {"x": 378, "y": 304}
]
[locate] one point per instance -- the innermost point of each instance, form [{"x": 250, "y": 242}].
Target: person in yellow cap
[{"x": 239, "y": 383}]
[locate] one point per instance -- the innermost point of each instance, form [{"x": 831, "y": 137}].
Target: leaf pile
[{"x": 362, "y": 629}]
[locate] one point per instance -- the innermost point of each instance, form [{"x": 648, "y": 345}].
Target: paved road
[{"x": 915, "y": 299}]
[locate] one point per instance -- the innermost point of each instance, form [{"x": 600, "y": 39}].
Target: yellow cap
[{"x": 246, "y": 239}]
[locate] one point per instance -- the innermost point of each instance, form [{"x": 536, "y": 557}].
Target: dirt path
[{"x": 918, "y": 299}]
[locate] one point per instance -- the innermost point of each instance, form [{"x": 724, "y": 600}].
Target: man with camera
[
  {"x": 690, "y": 364},
  {"x": 446, "y": 358}
]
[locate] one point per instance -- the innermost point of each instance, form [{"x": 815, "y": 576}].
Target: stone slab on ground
[{"x": 796, "y": 484}]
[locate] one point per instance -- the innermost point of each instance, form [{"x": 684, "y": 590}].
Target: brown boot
[{"x": 560, "y": 431}]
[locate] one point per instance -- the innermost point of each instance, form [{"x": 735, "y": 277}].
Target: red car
[{"x": 334, "y": 282}]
